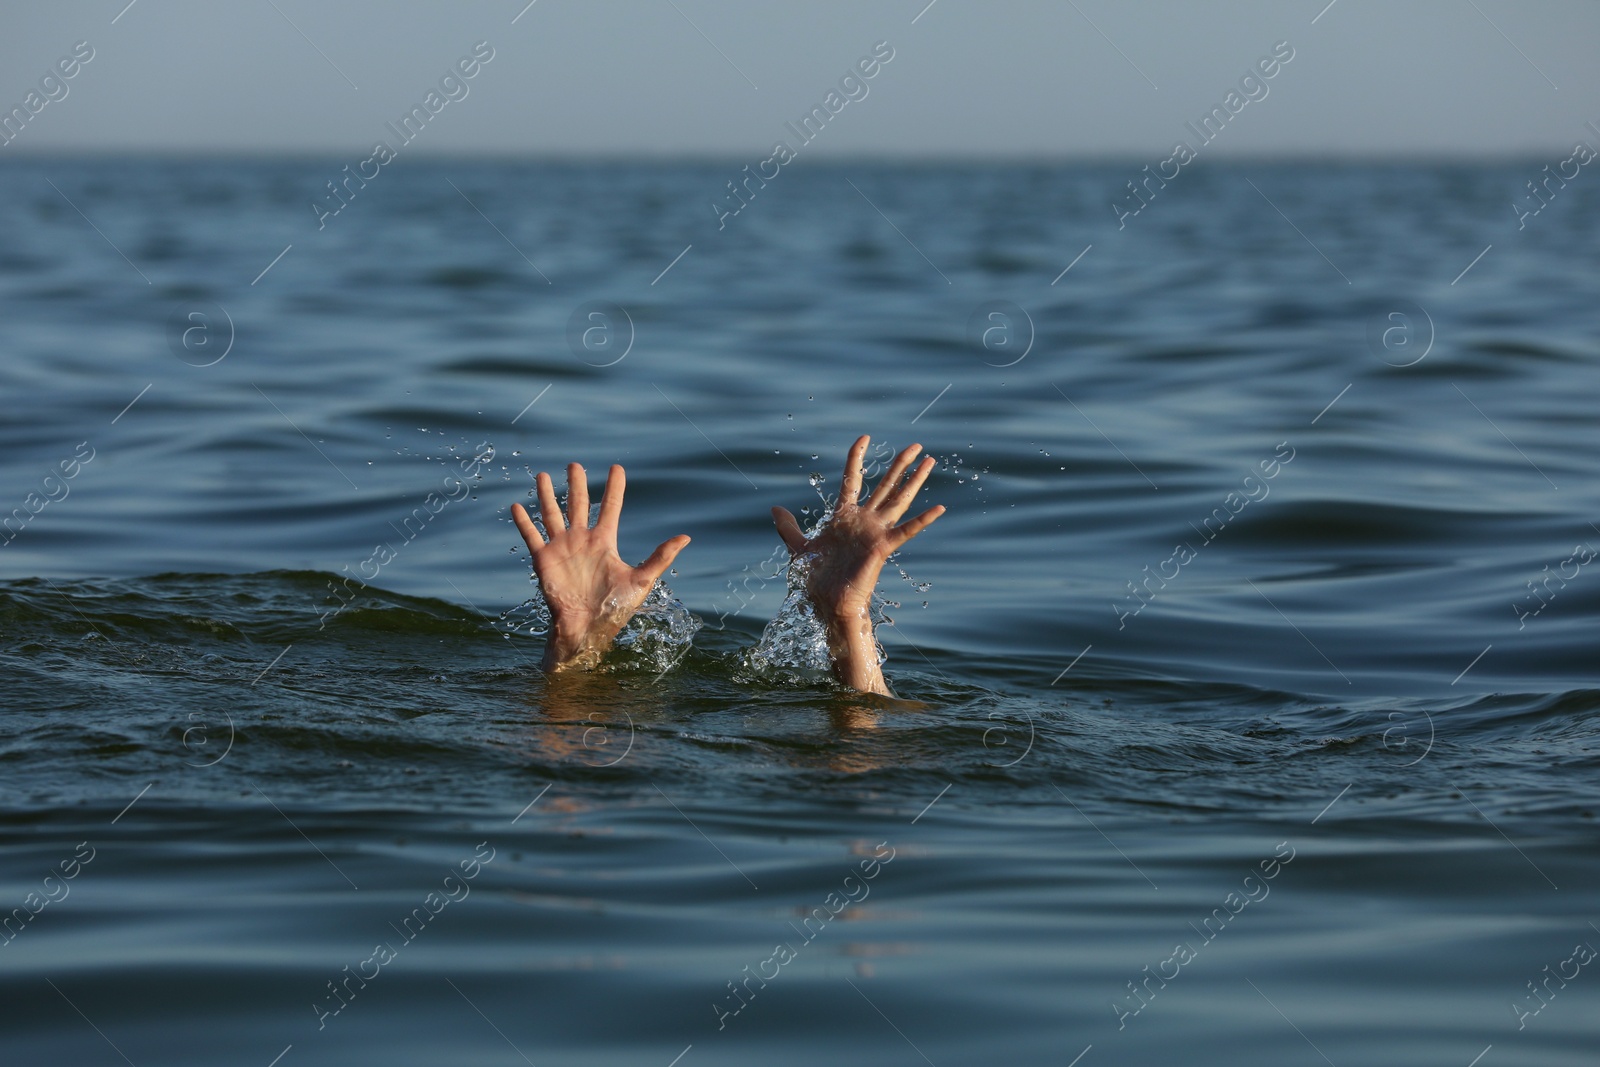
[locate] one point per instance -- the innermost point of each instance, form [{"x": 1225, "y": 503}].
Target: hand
[
  {"x": 850, "y": 552},
  {"x": 592, "y": 593}
]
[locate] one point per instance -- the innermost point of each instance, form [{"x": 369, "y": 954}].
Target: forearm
[
  {"x": 854, "y": 651},
  {"x": 841, "y": 592}
]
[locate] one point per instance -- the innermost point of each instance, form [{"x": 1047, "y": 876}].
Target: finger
[
  {"x": 850, "y": 488},
  {"x": 611, "y": 502},
  {"x": 662, "y": 557},
  {"x": 903, "y": 496},
  {"x": 907, "y": 530},
  {"x": 549, "y": 510},
  {"x": 525, "y": 526},
  {"x": 898, "y": 468},
  {"x": 577, "y": 497},
  {"x": 788, "y": 529}
]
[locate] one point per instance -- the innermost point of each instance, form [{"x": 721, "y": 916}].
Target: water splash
[
  {"x": 658, "y": 635},
  {"x": 794, "y": 645},
  {"x": 660, "y": 632},
  {"x": 794, "y": 641},
  {"x": 916, "y": 583},
  {"x": 965, "y": 472},
  {"x": 473, "y": 463},
  {"x": 531, "y": 618}
]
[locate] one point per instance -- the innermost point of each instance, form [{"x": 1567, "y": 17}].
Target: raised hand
[
  {"x": 592, "y": 593},
  {"x": 849, "y": 553}
]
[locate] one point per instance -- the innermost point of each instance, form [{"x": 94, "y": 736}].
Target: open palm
[
  {"x": 860, "y": 536},
  {"x": 591, "y": 591}
]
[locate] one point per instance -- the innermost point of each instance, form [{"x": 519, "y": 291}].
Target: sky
[{"x": 1056, "y": 79}]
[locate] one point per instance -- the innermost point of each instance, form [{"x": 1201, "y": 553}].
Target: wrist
[
  {"x": 846, "y": 621},
  {"x": 577, "y": 644},
  {"x": 840, "y": 601}
]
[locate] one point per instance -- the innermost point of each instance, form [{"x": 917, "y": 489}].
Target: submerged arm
[{"x": 849, "y": 553}]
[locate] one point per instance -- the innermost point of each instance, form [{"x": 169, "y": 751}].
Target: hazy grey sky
[{"x": 1055, "y": 78}]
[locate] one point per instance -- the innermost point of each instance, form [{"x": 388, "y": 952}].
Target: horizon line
[{"x": 708, "y": 158}]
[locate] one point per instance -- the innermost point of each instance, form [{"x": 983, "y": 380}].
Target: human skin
[
  {"x": 849, "y": 553},
  {"x": 592, "y": 593}
]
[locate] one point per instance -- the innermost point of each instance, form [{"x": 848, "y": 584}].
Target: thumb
[
  {"x": 662, "y": 557},
  {"x": 788, "y": 529}
]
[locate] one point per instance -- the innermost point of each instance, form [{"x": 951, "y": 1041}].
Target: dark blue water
[{"x": 1253, "y": 713}]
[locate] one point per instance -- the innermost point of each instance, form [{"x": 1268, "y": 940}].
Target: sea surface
[{"x": 1249, "y": 698}]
